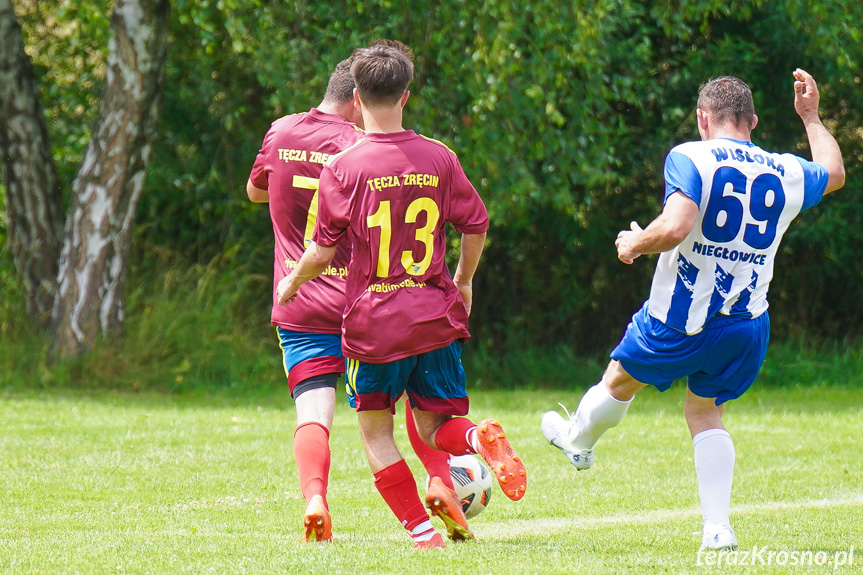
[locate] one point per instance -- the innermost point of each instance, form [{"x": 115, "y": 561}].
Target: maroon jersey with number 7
[
  {"x": 289, "y": 166},
  {"x": 389, "y": 195}
]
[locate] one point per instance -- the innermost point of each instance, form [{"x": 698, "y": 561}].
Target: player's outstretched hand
[
  {"x": 625, "y": 242},
  {"x": 806, "y": 95},
  {"x": 285, "y": 292}
]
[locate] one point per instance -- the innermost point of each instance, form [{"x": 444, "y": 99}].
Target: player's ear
[
  {"x": 405, "y": 97},
  {"x": 754, "y": 121},
  {"x": 357, "y": 101},
  {"x": 703, "y": 121}
]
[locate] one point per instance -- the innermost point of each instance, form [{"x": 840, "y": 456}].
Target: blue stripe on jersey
[
  {"x": 681, "y": 299},
  {"x": 741, "y": 306},
  {"x": 814, "y": 183},
  {"x": 681, "y": 174},
  {"x": 722, "y": 286}
]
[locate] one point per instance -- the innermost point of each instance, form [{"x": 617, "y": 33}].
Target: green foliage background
[{"x": 561, "y": 113}]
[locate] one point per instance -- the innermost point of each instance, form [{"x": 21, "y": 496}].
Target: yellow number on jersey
[
  {"x": 382, "y": 219},
  {"x": 307, "y": 183},
  {"x": 424, "y": 234}
]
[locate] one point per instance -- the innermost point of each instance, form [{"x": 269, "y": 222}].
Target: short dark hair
[
  {"x": 340, "y": 88},
  {"x": 729, "y": 99},
  {"x": 382, "y": 73},
  {"x": 400, "y": 46}
]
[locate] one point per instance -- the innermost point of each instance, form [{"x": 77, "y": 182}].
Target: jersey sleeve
[
  {"x": 681, "y": 174},
  {"x": 465, "y": 210},
  {"x": 333, "y": 209},
  {"x": 261, "y": 170},
  {"x": 815, "y": 178}
]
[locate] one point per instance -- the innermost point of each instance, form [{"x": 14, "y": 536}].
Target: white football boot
[
  {"x": 557, "y": 430},
  {"x": 718, "y": 538}
]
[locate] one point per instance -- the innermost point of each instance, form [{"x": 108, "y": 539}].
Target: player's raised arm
[{"x": 825, "y": 150}]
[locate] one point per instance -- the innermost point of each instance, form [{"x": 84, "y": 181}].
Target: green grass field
[{"x": 109, "y": 482}]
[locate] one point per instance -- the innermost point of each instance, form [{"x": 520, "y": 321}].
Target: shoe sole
[
  {"x": 317, "y": 524},
  {"x": 504, "y": 462},
  {"x": 569, "y": 453},
  {"x": 455, "y": 530},
  {"x": 580, "y": 466},
  {"x": 569, "y": 456}
]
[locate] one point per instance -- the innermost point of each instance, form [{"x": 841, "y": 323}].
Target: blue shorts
[
  {"x": 720, "y": 362},
  {"x": 308, "y": 356},
  {"x": 434, "y": 381}
]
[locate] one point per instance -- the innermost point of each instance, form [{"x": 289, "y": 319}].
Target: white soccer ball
[{"x": 472, "y": 481}]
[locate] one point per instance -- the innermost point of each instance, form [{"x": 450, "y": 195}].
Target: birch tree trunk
[
  {"x": 89, "y": 299},
  {"x": 34, "y": 204}
]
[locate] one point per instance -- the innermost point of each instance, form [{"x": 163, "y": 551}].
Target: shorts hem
[
  {"x": 446, "y": 406},
  {"x": 635, "y": 371},
  {"x": 375, "y": 401},
  {"x": 313, "y": 367}
]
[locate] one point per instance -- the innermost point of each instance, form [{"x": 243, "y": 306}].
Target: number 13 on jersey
[{"x": 383, "y": 219}]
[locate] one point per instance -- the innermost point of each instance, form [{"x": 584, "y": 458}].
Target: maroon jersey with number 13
[{"x": 389, "y": 195}]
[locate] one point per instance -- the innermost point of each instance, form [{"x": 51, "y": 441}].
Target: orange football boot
[
  {"x": 504, "y": 462},
  {"x": 443, "y": 502},
  {"x": 436, "y": 542},
  {"x": 317, "y": 522}
]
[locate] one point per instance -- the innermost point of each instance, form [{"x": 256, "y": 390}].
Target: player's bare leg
[
  {"x": 376, "y": 428},
  {"x": 393, "y": 478},
  {"x": 702, "y": 413},
  {"x": 312, "y": 454},
  {"x": 714, "y": 467},
  {"x": 602, "y": 407},
  {"x": 621, "y": 386}
]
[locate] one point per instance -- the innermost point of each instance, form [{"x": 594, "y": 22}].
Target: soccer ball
[{"x": 472, "y": 481}]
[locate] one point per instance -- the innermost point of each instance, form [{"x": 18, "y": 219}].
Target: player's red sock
[
  {"x": 452, "y": 436},
  {"x": 397, "y": 486},
  {"x": 435, "y": 461},
  {"x": 312, "y": 453}
]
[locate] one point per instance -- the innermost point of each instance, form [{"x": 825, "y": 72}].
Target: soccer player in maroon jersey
[
  {"x": 390, "y": 195},
  {"x": 286, "y": 174}
]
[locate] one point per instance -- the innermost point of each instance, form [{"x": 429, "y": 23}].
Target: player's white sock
[
  {"x": 597, "y": 413},
  {"x": 471, "y": 439},
  {"x": 423, "y": 532},
  {"x": 714, "y": 468}
]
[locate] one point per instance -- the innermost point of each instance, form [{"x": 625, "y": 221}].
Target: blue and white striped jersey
[{"x": 746, "y": 199}]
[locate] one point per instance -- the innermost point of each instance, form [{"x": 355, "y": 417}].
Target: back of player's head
[
  {"x": 382, "y": 73},
  {"x": 340, "y": 88},
  {"x": 400, "y": 46},
  {"x": 728, "y": 100}
]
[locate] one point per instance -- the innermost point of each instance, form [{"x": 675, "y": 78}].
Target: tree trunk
[
  {"x": 92, "y": 272},
  {"x": 34, "y": 204}
]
